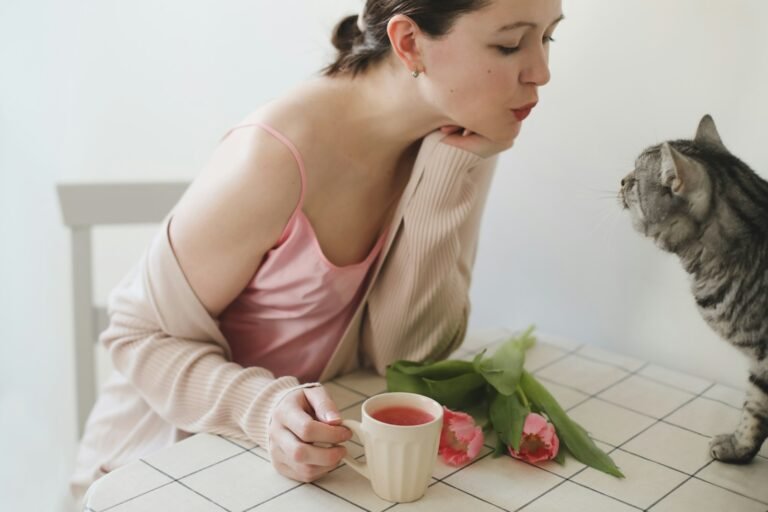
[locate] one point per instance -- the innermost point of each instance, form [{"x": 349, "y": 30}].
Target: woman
[{"x": 333, "y": 228}]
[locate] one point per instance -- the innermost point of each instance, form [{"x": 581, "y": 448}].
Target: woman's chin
[{"x": 507, "y": 136}]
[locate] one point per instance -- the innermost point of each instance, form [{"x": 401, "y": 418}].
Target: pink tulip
[
  {"x": 460, "y": 440},
  {"x": 539, "y": 442}
]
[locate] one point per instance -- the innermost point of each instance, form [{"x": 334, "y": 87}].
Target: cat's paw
[{"x": 726, "y": 448}]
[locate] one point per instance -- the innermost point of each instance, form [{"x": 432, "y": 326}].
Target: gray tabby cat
[{"x": 697, "y": 200}]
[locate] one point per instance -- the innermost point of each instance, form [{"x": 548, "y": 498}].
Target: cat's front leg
[{"x": 742, "y": 446}]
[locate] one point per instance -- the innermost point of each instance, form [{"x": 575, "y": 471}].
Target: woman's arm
[
  {"x": 163, "y": 334},
  {"x": 419, "y": 306}
]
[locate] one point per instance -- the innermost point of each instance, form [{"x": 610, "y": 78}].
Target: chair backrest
[{"x": 84, "y": 206}]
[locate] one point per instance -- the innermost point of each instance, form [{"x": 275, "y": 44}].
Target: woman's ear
[{"x": 404, "y": 34}]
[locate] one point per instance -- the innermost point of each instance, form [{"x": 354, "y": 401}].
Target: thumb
[{"x": 323, "y": 405}]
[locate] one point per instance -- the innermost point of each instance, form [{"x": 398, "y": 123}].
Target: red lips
[{"x": 523, "y": 112}]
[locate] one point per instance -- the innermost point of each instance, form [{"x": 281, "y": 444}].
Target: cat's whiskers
[{"x": 606, "y": 222}]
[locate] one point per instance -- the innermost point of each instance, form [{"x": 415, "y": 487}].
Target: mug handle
[{"x": 357, "y": 429}]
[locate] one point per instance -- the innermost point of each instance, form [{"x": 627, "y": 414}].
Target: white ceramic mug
[{"x": 400, "y": 459}]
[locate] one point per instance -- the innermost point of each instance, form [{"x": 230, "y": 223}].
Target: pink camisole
[{"x": 293, "y": 312}]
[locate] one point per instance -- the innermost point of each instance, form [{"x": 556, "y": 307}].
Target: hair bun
[{"x": 345, "y": 33}]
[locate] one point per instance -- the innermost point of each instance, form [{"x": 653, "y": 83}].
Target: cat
[{"x": 697, "y": 200}]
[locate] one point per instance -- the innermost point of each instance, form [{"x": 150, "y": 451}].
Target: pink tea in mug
[{"x": 404, "y": 416}]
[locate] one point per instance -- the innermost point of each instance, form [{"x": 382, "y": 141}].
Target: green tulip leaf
[
  {"x": 504, "y": 368},
  {"x": 508, "y": 415},
  {"x": 397, "y": 381},
  {"x": 440, "y": 370},
  {"x": 457, "y": 393},
  {"x": 570, "y": 433}
]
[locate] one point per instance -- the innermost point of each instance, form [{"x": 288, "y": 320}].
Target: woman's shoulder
[
  {"x": 299, "y": 114},
  {"x": 235, "y": 211}
]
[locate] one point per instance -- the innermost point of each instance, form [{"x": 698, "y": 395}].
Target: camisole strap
[{"x": 299, "y": 160}]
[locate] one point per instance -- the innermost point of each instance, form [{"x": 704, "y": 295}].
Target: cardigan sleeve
[
  {"x": 419, "y": 305},
  {"x": 163, "y": 340}
]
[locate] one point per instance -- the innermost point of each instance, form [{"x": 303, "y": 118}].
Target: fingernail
[{"x": 332, "y": 416}]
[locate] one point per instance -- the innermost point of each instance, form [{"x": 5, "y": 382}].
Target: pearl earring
[{"x": 415, "y": 73}]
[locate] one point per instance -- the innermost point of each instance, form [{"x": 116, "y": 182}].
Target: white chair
[{"x": 84, "y": 206}]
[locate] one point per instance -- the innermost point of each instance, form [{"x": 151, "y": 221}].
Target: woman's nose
[{"x": 537, "y": 69}]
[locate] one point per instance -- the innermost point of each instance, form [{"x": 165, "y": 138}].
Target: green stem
[{"x": 523, "y": 397}]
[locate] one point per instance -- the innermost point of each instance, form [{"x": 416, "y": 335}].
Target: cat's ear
[
  {"x": 707, "y": 132},
  {"x": 679, "y": 173}
]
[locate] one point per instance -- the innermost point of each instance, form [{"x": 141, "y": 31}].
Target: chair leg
[{"x": 85, "y": 336}]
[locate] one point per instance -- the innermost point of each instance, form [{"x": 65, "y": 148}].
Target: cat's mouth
[{"x": 623, "y": 200}]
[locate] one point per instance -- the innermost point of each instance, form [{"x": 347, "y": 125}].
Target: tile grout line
[
  {"x": 173, "y": 480},
  {"x": 470, "y": 463},
  {"x": 700, "y": 479},
  {"x": 570, "y": 478},
  {"x": 607, "y": 363},
  {"x": 274, "y": 497},
  {"x": 178, "y": 481},
  {"x": 349, "y": 388},
  {"x": 563, "y": 480},
  {"x": 442, "y": 480},
  {"x": 663, "y": 419},
  {"x": 560, "y": 483},
  {"x": 580, "y": 485},
  {"x": 235, "y": 443},
  {"x": 353, "y": 405},
  {"x": 690, "y": 477},
  {"x": 476, "y": 497},
  {"x": 660, "y": 420},
  {"x": 340, "y": 497},
  {"x": 203, "y": 468},
  {"x": 134, "y": 497}
]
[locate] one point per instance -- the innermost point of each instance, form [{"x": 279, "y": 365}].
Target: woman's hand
[
  {"x": 472, "y": 142},
  {"x": 306, "y": 416}
]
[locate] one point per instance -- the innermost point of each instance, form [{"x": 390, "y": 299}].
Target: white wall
[
  {"x": 556, "y": 250},
  {"x": 122, "y": 91}
]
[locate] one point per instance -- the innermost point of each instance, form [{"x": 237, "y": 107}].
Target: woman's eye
[
  {"x": 508, "y": 50},
  {"x": 548, "y": 39}
]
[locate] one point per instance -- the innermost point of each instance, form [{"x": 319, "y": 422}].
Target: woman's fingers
[
  {"x": 297, "y": 453},
  {"x": 301, "y": 474},
  {"x": 449, "y": 129},
  {"x": 475, "y": 143},
  {"x": 308, "y": 430},
  {"x": 293, "y": 431},
  {"x": 295, "y": 414},
  {"x": 323, "y": 405}
]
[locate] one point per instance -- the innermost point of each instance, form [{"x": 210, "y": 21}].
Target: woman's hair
[{"x": 359, "y": 49}]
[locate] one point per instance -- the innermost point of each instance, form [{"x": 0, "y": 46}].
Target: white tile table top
[{"x": 655, "y": 423}]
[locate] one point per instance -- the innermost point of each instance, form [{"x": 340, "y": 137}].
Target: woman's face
[{"x": 485, "y": 73}]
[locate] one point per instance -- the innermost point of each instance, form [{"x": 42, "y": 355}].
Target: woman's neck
[{"x": 380, "y": 114}]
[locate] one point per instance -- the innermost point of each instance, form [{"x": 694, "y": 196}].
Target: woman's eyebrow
[{"x": 520, "y": 24}]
